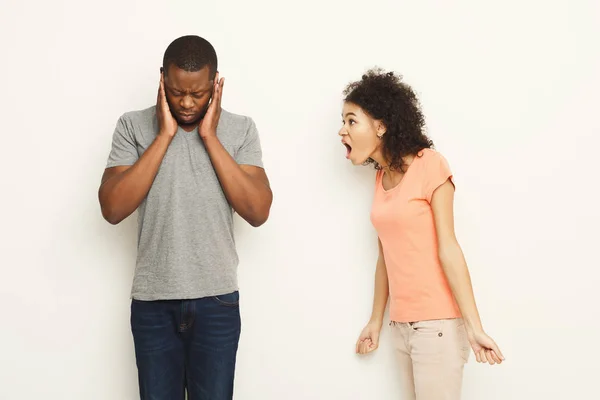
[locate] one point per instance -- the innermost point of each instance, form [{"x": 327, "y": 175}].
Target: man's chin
[{"x": 185, "y": 120}]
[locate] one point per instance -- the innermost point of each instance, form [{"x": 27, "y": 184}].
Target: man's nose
[{"x": 187, "y": 102}]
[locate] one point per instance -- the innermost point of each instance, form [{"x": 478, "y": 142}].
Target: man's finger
[
  {"x": 215, "y": 96},
  {"x": 158, "y": 92},
  {"x": 222, "y": 83},
  {"x": 162, "y": 91}
]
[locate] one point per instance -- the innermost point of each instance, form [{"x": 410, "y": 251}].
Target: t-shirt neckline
[{"x": 390, "y": 190}]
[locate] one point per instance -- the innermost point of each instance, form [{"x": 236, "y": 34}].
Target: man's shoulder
[
  {"x": 233, "y": 121},
  {"x": 144, "y": 115}
]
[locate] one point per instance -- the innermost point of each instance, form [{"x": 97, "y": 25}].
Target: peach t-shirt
[{"x": 404, "y": 222}]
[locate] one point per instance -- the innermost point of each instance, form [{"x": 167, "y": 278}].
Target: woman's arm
[
  {"x": 456, "y": 270},
  {"x": 381, "y": 293},
  {"x": 369, "y": 338}
]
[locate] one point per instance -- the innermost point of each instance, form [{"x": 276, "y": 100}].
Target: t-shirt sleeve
[
  {"x": 437, "y": 172},
  {"x": 124, "y": 149},
  {"x": 250, "y": 152}
]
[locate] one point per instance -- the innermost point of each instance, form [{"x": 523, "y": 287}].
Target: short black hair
[
  {"x": 386, "y": 97},
  {"x": 191, "y": 53}
]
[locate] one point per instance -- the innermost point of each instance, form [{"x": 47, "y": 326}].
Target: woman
[{"x": 421, "y": 267}]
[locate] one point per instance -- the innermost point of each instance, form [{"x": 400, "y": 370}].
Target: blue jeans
[{"x": 186, "y": 345}]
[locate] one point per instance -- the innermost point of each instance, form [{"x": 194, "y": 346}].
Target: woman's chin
[{"x": 355, "y": 161}]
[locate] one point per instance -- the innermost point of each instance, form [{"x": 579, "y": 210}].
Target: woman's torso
[{"x": 404, "y": 221}]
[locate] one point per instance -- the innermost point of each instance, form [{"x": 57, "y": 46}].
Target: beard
[{"x": 195, "y": 121}]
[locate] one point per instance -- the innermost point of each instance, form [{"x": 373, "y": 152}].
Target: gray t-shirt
[{"x": 186, "y": 247}]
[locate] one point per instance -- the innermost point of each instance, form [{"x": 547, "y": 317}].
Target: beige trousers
[{"x": 432, "y": 356}]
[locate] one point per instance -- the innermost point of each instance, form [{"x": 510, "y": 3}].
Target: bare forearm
[
  {"x": 250, "y": 197},
  {"x": 381, "y": 292},
  {"x": 457, "y": 273},
  {"x": 121, "y": 194}
]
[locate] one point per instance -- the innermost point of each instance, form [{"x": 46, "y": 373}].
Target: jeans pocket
[
  {"x": 229, "y": 299},
  {"x": 430, "y": 327}
]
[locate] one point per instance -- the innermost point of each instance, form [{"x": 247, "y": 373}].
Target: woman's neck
[{"x": 394, "y": 173}]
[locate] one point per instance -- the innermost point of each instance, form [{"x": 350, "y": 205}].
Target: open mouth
[{"x": 348, "y": 150}]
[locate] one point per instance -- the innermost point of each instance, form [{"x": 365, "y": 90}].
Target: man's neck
[{"x": 189, "y": 127}]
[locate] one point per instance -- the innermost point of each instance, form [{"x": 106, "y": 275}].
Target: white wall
[{"x": 511, "y": 93}]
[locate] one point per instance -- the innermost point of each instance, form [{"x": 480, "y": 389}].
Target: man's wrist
[
  {"x": 212, "y": 145},
  {"x": 164, "y": 139},
  {"x": 208, "y": 137}
]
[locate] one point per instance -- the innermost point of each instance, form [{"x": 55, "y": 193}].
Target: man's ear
[{"x": 162, "y": 70}]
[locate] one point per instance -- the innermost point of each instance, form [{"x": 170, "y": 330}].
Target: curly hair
[{"x": 385, "y": 97}]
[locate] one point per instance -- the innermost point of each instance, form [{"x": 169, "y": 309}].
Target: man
[{"x": 185, "y": 164}]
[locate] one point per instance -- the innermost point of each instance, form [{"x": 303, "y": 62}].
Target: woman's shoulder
[
  {"x": 433, "y": 162},
  {"x": 432, "y": 157},
  {"x": 430, "y": 154}
]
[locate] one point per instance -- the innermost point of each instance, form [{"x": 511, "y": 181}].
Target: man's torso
[{"x": 186, "y": 246}]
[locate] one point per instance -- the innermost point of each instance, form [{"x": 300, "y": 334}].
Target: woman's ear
[{"x": 381, "y": 129}]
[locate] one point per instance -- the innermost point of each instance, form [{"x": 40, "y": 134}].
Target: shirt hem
[
  {"x": 143, "y": 296},
  {"x": 424, "y": 317}
]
